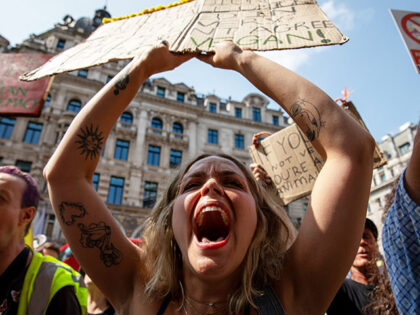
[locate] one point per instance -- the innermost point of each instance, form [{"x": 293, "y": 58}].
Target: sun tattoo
[{"x": 90, "y": 142}]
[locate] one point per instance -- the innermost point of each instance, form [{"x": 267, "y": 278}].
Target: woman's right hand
[{"x": 159, "y": 59}]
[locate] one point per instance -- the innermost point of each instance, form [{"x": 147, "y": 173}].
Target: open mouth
[{"x": 212, "y": 226}]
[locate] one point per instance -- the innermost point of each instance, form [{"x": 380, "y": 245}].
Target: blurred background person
[{"x": 97, "y": 303}]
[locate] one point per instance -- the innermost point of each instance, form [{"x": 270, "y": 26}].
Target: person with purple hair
[{"x": 25, "y": 276}]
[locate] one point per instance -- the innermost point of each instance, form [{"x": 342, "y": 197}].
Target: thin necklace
[{"x": 210, "y": 304}]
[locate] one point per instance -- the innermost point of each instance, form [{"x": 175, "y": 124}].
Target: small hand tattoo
[
  {"x": 70, "y": 211},
  {"x": 310, "y": 117},
  {"x": 90, "y": 142},
  {"x": 121, "y": 84}
]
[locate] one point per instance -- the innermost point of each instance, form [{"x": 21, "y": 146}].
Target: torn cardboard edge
[{"x": 278, "y": 25}]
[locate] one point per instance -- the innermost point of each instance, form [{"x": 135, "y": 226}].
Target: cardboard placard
[
  {"x": 18, "y": 97},
  {"x": 292, "y": 162},
  {"x": 199, "y": 26}
]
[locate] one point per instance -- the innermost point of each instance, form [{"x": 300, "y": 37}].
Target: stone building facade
[
  {"x": 164, "y": 126},
  {"x": 397, "y": 149}
]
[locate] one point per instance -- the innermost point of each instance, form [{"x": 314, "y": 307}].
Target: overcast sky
[{"x": 374, "y": 64}]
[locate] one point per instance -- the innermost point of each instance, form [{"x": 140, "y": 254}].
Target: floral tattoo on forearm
[{"x": 94, "y": 235}]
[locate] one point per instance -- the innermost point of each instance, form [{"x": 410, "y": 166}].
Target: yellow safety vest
[{"x": 44, "y": 278}]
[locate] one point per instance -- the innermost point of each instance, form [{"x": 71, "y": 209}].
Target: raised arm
[
  {"x": 97, "y": 242},
  {"x": 412, "y": 175},
  {"x": 328, "y": 239}
]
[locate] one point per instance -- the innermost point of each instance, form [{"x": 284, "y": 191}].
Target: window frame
[
  {"x": 175, "y": 158},
  {"x": 122, "y": 147},
  {"x": 239, "y": 141},
  {"x": 7, "y": 125},
  {"x": 148, "y": 194},
  {"x": 74, "y": 105},
  {"x": 116, "y": 189},
  {"x": 212, "y": 134},
  {"x": 153, "y": 155},
  {"x": 33, "y": 132}
]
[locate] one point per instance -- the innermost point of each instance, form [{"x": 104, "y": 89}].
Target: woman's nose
[{"x": 211, "y": 186}]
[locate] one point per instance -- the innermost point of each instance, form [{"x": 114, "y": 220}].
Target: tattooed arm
[
  {"x": 108, "y": 257},
  {"x": 328, "y": 239}
]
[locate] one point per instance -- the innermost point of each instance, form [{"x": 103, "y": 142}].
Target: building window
[
  {"x": 404, "y": 148},
  {"x": 47, "y": 100},
  {"x": 175, "y": 158},
  {"x": 83, "y": 73},
  {"x": 6, "y": 127},
  {"x": 24, "y": 166},
  {"x": 95, "y": 181},
  {"x": 153, "y": 155},
  {"x": 379, "y": 202},
  {"x": 61, "y": 132},
  {"x": 61, "y": 43},
  {"x": 157, "y": 125},
  {"x": 126, "y": 119},
  {"x": 177, "y": 130},
  {"x": 275, "y": 120},
  {"x": 33, "y": 132},
  {"x": 109, "y": 78},
  {"x": 74, "y": 106},
  {"x": 180, "y": 97},
  {"x": 256, "y": 114},
  {"x": 160, "y": 91},
  {"x": 115, "y": 192},
  {"x": 49, "y": 227},
  {"x": 212, "y": 108},
  {"x": 212, "y": 136},
  {"x": 150, "y": 194},
  {"x": 238, "y": 112},
  {"x": 383, "y": 177},
  {"x": 121, "y": 150},
  {"x": 239, "y": 142}
]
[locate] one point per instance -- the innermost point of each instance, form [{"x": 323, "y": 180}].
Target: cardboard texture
[
  {"x": 199, "y": 26},
  {"x": 292, "y": 162},
  {"x": 17, "y": 97},
  {"x": 378, "y": 157}
]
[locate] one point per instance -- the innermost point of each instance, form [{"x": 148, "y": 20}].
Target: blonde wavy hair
[{"x": 263, "y": 260}]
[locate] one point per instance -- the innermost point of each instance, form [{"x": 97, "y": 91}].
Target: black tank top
[{"x": 267, "y": 304}]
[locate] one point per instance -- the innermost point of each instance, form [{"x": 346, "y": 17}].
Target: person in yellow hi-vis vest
[{"x": 29, "y": 282}]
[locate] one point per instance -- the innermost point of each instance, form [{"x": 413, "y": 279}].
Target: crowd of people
[{"x": 217, "y": 242}]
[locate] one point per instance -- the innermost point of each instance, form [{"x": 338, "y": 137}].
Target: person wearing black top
[{"x": 354, "y": 294}]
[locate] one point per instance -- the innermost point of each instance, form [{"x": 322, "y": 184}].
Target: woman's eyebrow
[{"x": 197, "y": 174}]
